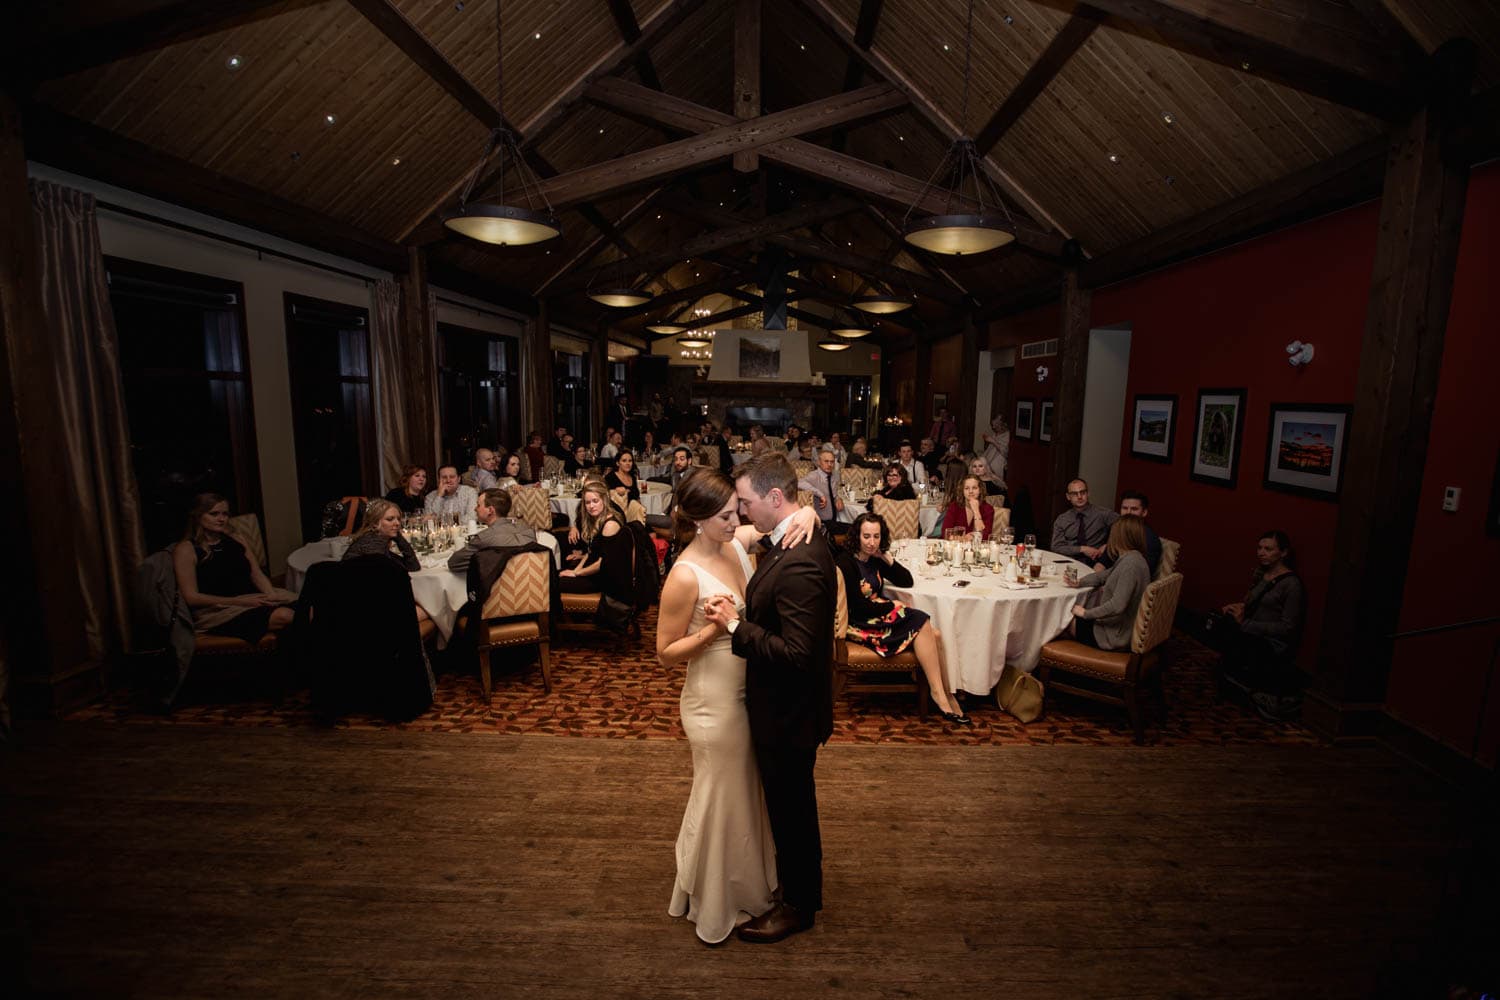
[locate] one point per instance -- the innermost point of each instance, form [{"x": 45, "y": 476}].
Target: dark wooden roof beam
[
  {"x": 864, "y": 37},
  {"x": 624, "y": 16},
  {"x": 605, "y": 234},
  {"x": 1066, "y": 42},
  {"x": 747, "y": 57}
]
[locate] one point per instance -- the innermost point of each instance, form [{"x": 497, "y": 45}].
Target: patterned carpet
[{"x": 604, "y": 686}]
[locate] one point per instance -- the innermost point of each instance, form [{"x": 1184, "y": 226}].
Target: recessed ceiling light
[
  {"x": 459, "y": 6},
  {"x": 1009, "y": 19},
  {"x": 945, "y": 46},
  {"x": 1245, "y": 64},
  {"x": 802, "y": 47},
  {"x": 296, "y": 156},
  {"x": 537, "y": 36},
  {"x": 330, "y": 119},
  {"x": 1170, "y": 180},
  {"x": 601, "y": 131},
  {"x": 233, "y": 63},
  {"x": 1169, "y": 118},
  {"x": 900, "y": 138},
  {"x": 395, "y": 161},
  {"x": 658, "y": 215},
  {"x": 1114, "y": 157}
]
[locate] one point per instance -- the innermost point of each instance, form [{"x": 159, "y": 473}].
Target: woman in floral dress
[{"x": 886, "y": 626}]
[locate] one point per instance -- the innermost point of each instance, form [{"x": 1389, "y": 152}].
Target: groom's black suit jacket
[{"x": 786, "y": 637}]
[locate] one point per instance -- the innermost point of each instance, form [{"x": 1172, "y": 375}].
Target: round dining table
[
  {"x": 987, "y": 622},
  {"x": 437, "y": 590},
  {"x": 654, "y": 497}
]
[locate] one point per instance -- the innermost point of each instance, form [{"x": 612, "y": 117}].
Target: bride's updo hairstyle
[{"x": 699, "y": 497}]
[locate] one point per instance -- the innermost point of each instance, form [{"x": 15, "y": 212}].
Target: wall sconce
[
  {"x": 1042, "y": 372},
  {"x": 1299, "y": 353}
]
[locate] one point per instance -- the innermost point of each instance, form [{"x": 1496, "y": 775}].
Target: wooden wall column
[
  {"x": 601, "y": 401},
  {"x": 1067, "y": 399},
  {"x": 968, "y": 384},
  {"x": 536, "y": 373},
  {"x": 420, "y": 370},
  {"x": 45, "y": 652},
  {"x": 921, "y": 418},
  {"x": 1421, "y": 218}
]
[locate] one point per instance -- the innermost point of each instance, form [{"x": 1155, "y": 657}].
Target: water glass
[{"x": 1030, "y": 542}]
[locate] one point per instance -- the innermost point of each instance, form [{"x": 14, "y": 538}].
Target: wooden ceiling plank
[
  {"x": 610, "y": 232},
  {"x": 1290, "y": 45},
  {"x": 79, "y": 146},
  {"x": 864, "y": 37},
  {"x": 624, "y": 16},
  {"x": 1066, "y": 42},
  {"x": 145, "y": 30},
  {"x": 747, "y": 99},
  {"x": 546, "y": 118},
  {"x": 876, "y": 62},
  {"x": 677, "y": 157},
  {"x": 736, "y": 234},
  {"x": 839, "y": 168},
  {"x": 394, "y": 25}
]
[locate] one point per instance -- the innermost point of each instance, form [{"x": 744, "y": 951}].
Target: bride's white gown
[{"x": 726, "y": 859}]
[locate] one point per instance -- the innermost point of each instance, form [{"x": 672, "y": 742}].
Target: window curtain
[
  {"x": 95, "y": 471},
  {"x": 395, "y": 437}
]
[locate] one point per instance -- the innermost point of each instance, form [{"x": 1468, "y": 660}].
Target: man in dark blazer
[{"x": 786, "y": 638}]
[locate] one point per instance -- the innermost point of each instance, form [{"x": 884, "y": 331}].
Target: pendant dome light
[
  {"x": 967, "y": 225},
  {"x": 498, "y": 223},
  {"x": 883, "y": 305},
  {"x": 666, "y": 329},
  {"x": 829, "y": 344}
]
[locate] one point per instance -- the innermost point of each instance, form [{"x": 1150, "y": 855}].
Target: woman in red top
[{"x": 967, "y": 509}]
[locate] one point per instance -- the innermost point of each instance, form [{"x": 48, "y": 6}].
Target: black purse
[{"x": 613, "y": 614}]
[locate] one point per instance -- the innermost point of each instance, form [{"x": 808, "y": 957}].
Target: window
[
  {"x": 333, "y": 419},
  {"x": 185, "y": 368},
  {"x": 570, "y": 392},
  {"x": 478, "y": 391}
]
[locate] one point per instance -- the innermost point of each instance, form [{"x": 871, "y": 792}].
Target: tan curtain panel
[
  {"x": 75, "y": 298},
  {"x": 395, "y": 437}
]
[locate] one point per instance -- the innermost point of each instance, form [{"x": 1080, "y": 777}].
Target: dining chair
[
  {"x": 1118, "y": 678},
  {"x": 516, "y": 614},
  {"x": 1171, "y": 553},
  {"x": 246, "y": 528},
  {"x": 552, "y": 466},
  {"x": 901, "y": 516},
  {"x": 860, "y": 480},
  {"x": 854, "y": 664},
  {"x": 531, "y": 505},
  {"x": 802, "y": 467}
]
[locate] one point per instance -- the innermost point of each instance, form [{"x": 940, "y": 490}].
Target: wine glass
[{"x": 1030, "y": 542}]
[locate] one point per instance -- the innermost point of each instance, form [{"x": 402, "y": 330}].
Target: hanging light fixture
[
  {"x": 666, "y": 329},
  {"x": 883, "y": 305},
  {"x": 693, "y": 340},
  {"x": 829, "y": 344},
  {"x": 620, "y": 297},
  {"x": 850, "y": 332},
  {"x": 962, "y": 227},
  {"x": 496, "y": 222}
]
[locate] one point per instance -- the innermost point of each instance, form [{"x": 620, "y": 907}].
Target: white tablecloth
[
  {"x": 653, "y": 470},
  {"x": 984, "y": 625},
  {"x": 437, "y": 590},
  {"x": 654, "y": 497},
  {"x": 928, "y": 516}
]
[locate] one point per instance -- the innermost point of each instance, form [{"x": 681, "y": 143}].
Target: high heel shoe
[{"x": 957, "y": 718}]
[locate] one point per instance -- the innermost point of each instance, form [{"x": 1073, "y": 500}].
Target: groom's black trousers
[{"x": 786, "y": 773}]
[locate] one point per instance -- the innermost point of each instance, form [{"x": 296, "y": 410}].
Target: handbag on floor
[
  {"x": 1020, "y": 694},
  {"x": 613, "y": 614}
]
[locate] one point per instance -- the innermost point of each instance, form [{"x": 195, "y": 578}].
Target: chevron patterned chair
[
  {"x": 531, "y": 505},
  {"x": 901, "y": 516},
  {"x": 861, "y": 481},
  {"x": 1171, "y": 555},
  {"x": 515, "y": 614},
  {"x": 1098, "y": 675},
  {"x": 552, "y": 466}
]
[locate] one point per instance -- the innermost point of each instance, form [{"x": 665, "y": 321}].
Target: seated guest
[
  {"x": 927, "y": 453},
  {"x": 501, "y": 531},
  {"x": 613, "y": 442},
  {"x": 682, "y": 464},
  {"x": 648, "y": 447},
  {"x": 1110, "y": 623},
  {"x": 511, "y": 472},
  {"x": 451, "y": 499},
  {"x": 716, "y": 441},
  {"x": 1135, "y": 503},
  {"x": 408, "y": 495},
  {"x": 561, "y": 445},
  {"x": 535, "y": 457},
  {"x": 486, "y": 466},
  {"x": 897, "y": 486},
  {"x": 622, "y": 480},
  {"x": 793, "y": 432},
  {"x": 979, "y": 468},
  {"x": 836, "y": 442},
  {"x": 906, "y": 457},
  {"x": 1082, "y": 530},
  {"x": 823, "y": 483},
  {"x": 886, "y": 626},
  {"x": 578, "y": 461},
  {"x": 758, "y": 443},
  {"x": 226, "y": 591},
  {"x": 1259, "y": 635},
  {"x": 805, "y": 451},
  {"x": 605, "y": 566},
  {"x": 859, "y": 456},
  {"x": 968, "y": 509},
  {"x": 380, "y": 535}
]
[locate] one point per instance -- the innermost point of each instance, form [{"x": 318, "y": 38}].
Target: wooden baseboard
[
  {"x": 49, "y": 697},
  {"x": 1341, "y": 722},
  {"x": 1446, "y": 762}
]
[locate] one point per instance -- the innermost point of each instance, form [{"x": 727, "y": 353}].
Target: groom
[{"x": 786, "y": 638}]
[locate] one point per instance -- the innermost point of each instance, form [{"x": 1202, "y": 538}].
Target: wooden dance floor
[{"x": 158, "y": 861}]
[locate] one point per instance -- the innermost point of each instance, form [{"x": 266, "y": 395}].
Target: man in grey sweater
[{"x": 492, "y": 509}]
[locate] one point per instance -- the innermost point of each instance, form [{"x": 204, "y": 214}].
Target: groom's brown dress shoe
[{"x": 776, "y": 923}]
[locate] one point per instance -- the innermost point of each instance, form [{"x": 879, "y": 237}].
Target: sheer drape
[
  {"x": 95, "y": 469},
  {"x": 390, "y": 362}
]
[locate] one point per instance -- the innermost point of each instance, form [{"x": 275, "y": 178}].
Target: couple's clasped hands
[{"x": 720, "y": 610}]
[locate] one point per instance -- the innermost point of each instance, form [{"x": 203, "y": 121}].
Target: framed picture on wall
[
  {"x": 1044, "y": 422},
  {"x": 1153, "y": 429},
  {"x": 1305, "y": 449},
  {"x": 1218, "y": 432},
  {"x": 1022, "y": 429},
  {"x": 939, "y": 402}
]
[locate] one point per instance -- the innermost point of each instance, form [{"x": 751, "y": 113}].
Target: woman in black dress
[
  {"x": 897, "y": 485},
  {"x": 380, "y": 536},
  {"x": 886, "y": 626},
  {"x": 411, "y": 491},
  {"x": 226, "y": 591},
  {"x": 606, "y": 562},
  {"x": 623, "y": 477}
]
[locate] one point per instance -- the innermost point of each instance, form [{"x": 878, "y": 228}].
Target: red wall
[
  {"x": 1437, "y": 681},
  {"x": 1028, "y": 461},
  {"x": 1223, "y": 321}
]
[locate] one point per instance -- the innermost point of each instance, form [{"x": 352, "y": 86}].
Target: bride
[{"x": 726, "y": 859}]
